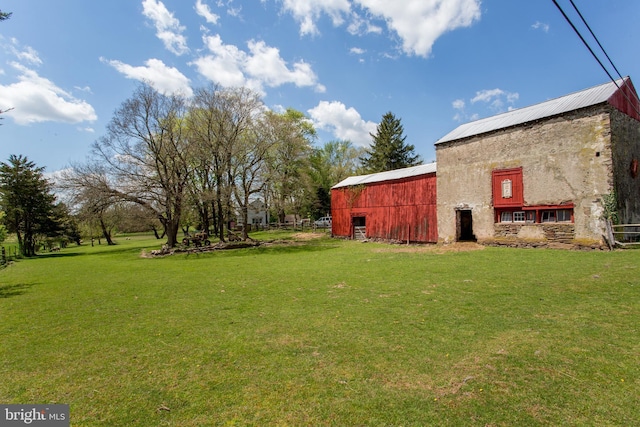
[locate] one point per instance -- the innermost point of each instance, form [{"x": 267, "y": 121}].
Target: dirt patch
[
  {"x": 437, "y": 249},
  {"x": 308, "y": 236}
]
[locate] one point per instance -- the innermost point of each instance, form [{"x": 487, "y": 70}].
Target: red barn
[{"x": 395, "y": 205}]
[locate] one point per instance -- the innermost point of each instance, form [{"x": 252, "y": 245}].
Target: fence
[
  {"x": 623, "y": 235},
  {"x": 360, "y": 232},
  {"x": 8, "y": 254},
  {"x": 300, "y": 225}
]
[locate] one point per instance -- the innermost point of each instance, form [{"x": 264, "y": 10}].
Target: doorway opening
[
  {"x": 359, "y": 224},
  {"x": 464, "y": 226}
]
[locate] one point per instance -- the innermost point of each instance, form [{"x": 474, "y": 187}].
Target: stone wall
[
  {"x": 626, "y": 150},
  {"x": 548, "y": 232},
  {"x": 565, "y": 159}
]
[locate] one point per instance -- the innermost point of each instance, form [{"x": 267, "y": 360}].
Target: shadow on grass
[
  {"x": 54, "y": 255},
  {"x": 7, "y": 291},
  {"x": 115, "y": 249},
  {"x": 278, "y": 248}
]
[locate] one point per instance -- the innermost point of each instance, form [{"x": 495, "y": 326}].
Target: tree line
[{"x": 173, "y": 163}]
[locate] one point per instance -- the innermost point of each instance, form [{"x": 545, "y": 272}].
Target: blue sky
[{"x": 66, "y": 66}]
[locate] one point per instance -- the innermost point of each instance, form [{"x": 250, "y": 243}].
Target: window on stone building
[
  {"x": 535, "y": 214},
  {"x": 531, "y": 216},
  {"x": 564, "y": 215},
  {"x": 548, "y": 216}
]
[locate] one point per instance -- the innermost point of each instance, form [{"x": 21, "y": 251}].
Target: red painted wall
[
  {"x": 403, "y": 209},
  {"x": 517, "y": 191},
  {"x": 626, "y": 100}
]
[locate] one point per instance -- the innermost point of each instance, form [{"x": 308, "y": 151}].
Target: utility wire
[
  {"x": 584, "y": 42},
  {"x": 595, "y": 38},
  {"x": 601, "y": 48},
  {"x": 633, "y": 105}
]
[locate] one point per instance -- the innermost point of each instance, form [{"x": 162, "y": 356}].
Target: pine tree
[
  {"x": 389, "y": 151},
  {"x": 27, "y": 200}
]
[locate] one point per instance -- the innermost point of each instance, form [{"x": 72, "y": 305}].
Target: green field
[{"x": 325, "y": 332}]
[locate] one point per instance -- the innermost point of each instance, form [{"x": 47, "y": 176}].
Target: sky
[{"x": 66, "y": 66}]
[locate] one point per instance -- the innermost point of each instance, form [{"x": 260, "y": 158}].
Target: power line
[
  {"x": 595, "y": 38},
  {"x": 631, "y": 103},
  {"x": 584, "y": 42}
]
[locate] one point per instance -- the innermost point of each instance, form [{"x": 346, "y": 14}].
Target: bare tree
[
  {"x": 219, "y": 119},
  {"x": 251, "y": 168},
  {"x": 146, "y": 155}
]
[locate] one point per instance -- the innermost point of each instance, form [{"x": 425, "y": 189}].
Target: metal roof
[
  {"x": 584, "y": 98},
  {"x": 387, "y": 176}
]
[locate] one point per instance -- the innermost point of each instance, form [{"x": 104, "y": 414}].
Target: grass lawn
[{"x": 325, "y": 332}]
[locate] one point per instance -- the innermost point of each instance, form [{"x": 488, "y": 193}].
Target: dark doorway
[
  {"x": 359, "y": 224},
  {"x": 464, "y": 220}
]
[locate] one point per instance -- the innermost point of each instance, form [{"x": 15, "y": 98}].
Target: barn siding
[{"x": 394, "y": 210}]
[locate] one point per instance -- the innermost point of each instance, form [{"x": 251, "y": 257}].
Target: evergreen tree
[
  {"x": 389, "y": 151},
  {"x": 26, "y": 199}
]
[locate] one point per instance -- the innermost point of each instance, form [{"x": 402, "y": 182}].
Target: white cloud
[
  {"x": 496, "y": 98},
  {"x": 36, "y": 99},
  {"x": 458, "y": 104},
  {"x": 307, "y": 12},
  {"x": 29, "y": 55},
  {"x": 487, "y": 95},
  {"x": 359, "y": 25},
  {"x": 261, "y": 66},
  {"x": 418, "y": 23},
  {"x": 541, "y": 26},
  {"x": 266, "y": 65},
  {"x": 225, "y": 64},
  {"x": 168, "y": 28},
  {"x": 203, "y": 10},
  {"x": 24, "y": 54},
  {"x": 83, "y": 89},
  {"x": 345, "y": 123},
  {"x": 163, "y": 78},
  {"x": 236, "y": 12},
  {"x": 357, "y": 51},
  {"x": 497, "y": 101}
]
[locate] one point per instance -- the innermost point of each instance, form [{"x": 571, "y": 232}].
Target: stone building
[{"x": 542, "y": 173}]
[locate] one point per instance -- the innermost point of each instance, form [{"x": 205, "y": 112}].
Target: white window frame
[{"x": 519, "y": 216}]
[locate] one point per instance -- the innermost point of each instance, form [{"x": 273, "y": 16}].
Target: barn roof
[
  {"x": 388, "y": 176},
  {"x": 574, "y": 101}
]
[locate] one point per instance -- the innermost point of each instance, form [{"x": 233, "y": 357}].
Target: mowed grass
[{"x": 325, "y": 332}]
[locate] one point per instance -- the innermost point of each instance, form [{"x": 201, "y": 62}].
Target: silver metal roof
[
  {"x": 571, "y": 102},
  {"x": 387, "y": 176}
]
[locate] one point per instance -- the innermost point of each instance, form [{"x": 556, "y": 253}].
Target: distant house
[
  {"x": 257, "y": 213},
  {"x": 542, "y": 173},
  {"x": 396, "y": 205}
]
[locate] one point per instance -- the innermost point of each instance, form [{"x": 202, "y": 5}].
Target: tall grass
[{"x": 324, "y": 332}]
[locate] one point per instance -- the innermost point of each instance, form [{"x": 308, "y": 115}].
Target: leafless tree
[
  {"x": 218, "y": 121},
  {"x": 250, "y": 167},
  {"x": 145, "y": 156}
]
